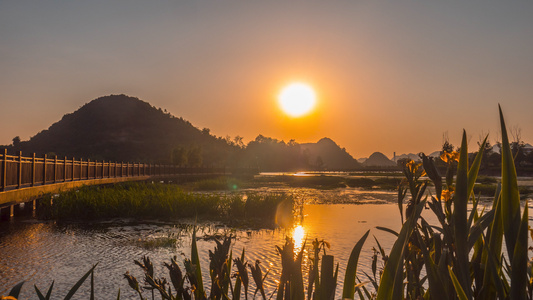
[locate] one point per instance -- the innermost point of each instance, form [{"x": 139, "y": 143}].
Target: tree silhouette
[
  {"x": 179, "y": 156},
  {"x": 194, "y": 156},
  {"x": 16, "y": 141}
]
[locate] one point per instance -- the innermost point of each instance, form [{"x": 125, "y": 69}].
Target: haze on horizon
[{"x": 390, "y": 76}]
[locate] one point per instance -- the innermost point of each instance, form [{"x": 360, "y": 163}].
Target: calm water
[{"x": 39, "y": 252}]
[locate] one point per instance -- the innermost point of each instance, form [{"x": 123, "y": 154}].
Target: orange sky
[{"x": 390, "y": 76}]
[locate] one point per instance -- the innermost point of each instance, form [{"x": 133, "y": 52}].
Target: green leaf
[
  {"x": 458, "y": 289},
  {"x": 460, "y": 201},
  {"x": 39, "y": 294},
  {"x": 195, "y": 260},
  {"x": 49, "y": 292},
  {"x": 474, "y": 169},
  {"x": 387, "y": 230},
  {"x": 477, "y": 229},
  {"x": 392, "y": 280},
  {"x": 436, "y": 287},
  {"x": 519, "y": 278},
  {"x": 348, "y": 290},
  {"x": 79, "y": 283},
  {"x": 510, "y": 194},
  {"x": 492, "y": 251},
  {"x": 15, "y": 291}
]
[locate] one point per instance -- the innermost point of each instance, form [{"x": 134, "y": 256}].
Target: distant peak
[
  {"x": 378, "y": 154},
  {"x": 326, "y": 140}
]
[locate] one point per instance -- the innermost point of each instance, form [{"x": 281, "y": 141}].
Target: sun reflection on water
[{"x": 298, "y": 237}]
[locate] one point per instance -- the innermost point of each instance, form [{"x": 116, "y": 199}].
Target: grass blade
[
  {"x": 79, "y": 283},
  {"x": 348, "y": 290}
]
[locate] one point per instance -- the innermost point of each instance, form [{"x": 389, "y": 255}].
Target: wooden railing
[{"x": 18, "y": 171}]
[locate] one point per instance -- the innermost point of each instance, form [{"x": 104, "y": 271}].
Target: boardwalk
[{"x": 24, "y": 179}]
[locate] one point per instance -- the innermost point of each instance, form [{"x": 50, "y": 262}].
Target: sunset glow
[
  {"x": 298, "y": 237},
  {"x": 297, "y": 99}
]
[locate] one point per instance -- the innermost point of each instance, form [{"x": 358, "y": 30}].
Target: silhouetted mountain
[
  {"x": 378, "y": 159},
  {"x": 119, "y": 127},
  {"x": 326, "y": 154},
  {"x": 123, "y": 128}
]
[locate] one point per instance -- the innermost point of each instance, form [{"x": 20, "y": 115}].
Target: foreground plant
[
  {"x": 15, "y": 291},
  {"x": 462, "y": 256}
]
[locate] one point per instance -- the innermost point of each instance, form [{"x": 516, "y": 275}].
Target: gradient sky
[{"x": 390, "y": 75}]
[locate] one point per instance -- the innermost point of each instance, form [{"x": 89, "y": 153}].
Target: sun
[{"x": 297, "y": 99}]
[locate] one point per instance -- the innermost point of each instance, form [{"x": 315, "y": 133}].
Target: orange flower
[
  {"x": 449, "y": 157},
  {"x": 447, "y": 195}
]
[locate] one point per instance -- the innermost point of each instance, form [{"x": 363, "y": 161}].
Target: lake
[{"x": 40, "y": 252}]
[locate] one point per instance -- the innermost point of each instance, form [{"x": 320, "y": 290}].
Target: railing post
[
  {"x": 19, "y": 180},
  {"x": 44, "y": 170},
  {"x": 33, "y": 170},
  {"x": 73, "y": 169},
  {"x": 121, "y": 168},
  {"x": 81, "y": 168},
  {"x": 88, "y": 168},
  {"x": 4, "y": 170},
  {"x": 55, "y": 168},
  {"x": 65, "y": 169}
]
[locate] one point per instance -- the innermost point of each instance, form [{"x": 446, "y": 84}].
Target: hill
[
  {"x": 326, "y": 154},
  {"x": 378, "y": 159},
  {"x": 123, "y": 128}
]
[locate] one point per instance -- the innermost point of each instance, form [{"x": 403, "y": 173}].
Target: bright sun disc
[{"x": 297, "y": 99}]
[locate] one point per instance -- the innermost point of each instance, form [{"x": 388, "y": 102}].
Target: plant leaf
[
  {"x": 15, "y": 291},
  {"x": 348, "y": 290},
  {"x": 392, "y": 280},
  {"x": 79, "y": 283},
  {"x": 510, "y": 194},
  {"x": 458, "y": 289},
  {"x": 460, "y": 201},
  {"x": 519, "y": 263}
]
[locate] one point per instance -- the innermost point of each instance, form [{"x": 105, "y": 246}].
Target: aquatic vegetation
[{"x": 159, "y": 201}]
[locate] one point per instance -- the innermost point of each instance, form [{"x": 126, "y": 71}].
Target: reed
[{"x": 160, "y": 201}]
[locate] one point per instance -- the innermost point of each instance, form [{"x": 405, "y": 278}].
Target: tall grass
[{"x": 159, "y": 201}]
